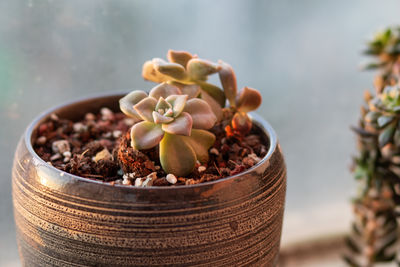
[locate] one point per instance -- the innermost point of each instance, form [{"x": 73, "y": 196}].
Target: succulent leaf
[
  {"x": 199, "y": 69},
  {"x": 241, "y": 123},
  {"x": 384, "y": 120},
  {"x": 145, "y": 135},
  {"x": 176, "y": 155},
  {"x": 249, "y": 99},
  {"x": 151, "y": 74},
  {"x": 160, "y": 119},
  {"x": 191, "y": 90},
  {"x": 214, "y": 105},
  {"x": 201, "y": 113},
  {"x": 182, "y": 125},
  {"x": 145, "y": 108},
  {"x": 162, "y": 104},
  {"x": 180, "y": 57},
  {"x": 228, "y": 81},
  {"x": 214, "y": 91},
  {"x": 177, "y": 102},
  {"x": 174, "y": 70},
  {"x": 386, "y": 136},
  {"x": 127, "y": 102},
  {"x": 164, "y": 90},
  {"x": 201, "y": 141}
]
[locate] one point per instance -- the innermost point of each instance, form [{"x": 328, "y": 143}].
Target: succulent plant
[
  {"x": 377, "y": 165},
  {"x": 385, "y": 47},
  {"x": 174, "y": 121},
  {"x": 247, "y": 100},
  {"x": 183, "y": 69}
]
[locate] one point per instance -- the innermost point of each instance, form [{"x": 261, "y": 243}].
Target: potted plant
[{"x": 176, "y": 179}]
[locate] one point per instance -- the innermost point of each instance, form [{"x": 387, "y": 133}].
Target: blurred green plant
[{"x": 375, "y": 229}]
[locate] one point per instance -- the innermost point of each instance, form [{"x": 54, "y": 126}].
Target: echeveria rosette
[
  {"x": 247, "y": 100},
  {"x": 175, "y": 122},
  {"x": 383, "y": 115},
  {"x": 183, "y": 69}
]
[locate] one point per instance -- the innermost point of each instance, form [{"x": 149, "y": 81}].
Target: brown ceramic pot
[{"x": 66, "y": 220}]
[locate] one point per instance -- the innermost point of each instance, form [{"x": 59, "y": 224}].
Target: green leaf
[
  {"x": 372, "y": 116},
  {"x": 384, "y": 120},
  {"x": 386, "y": 135},
  {"x": 145, "y": 135},
  {"x": 201, "y": 141},
  {"x": 176, "y": 155},
  {"x": 182, "y": 125}
]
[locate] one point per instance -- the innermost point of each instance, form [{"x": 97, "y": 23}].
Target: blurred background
[{"x": 304, "y": 57}]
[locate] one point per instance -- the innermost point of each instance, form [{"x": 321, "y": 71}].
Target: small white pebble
[
  {"x": 171, "y": 178},
  {"x": 66, "y": 159},
  {"x": 41, "y": 140},
  {"x": 60, "y": 146},
  {"x": 102, "y": 155},
  {"x": 54, "y": 117},
  {"x": 127, "y": 182},
  {"x": 106, "y": 114},
  {"x": 119, "y": 181},
  {"x": 116, "y": 134},
  {"x": 107, "y": 135},
  {"x": 223, "y": 140},
  {"x": 67, "y": 154},
  {"x": 138, "y": 182},
  {"x": 79, "y": 127},
  {"x": 214, "y": 151},
  {"x": 201, "y": 168},
  {"x": 90, "y": 117},
  {"x": 147, "y": 182},
  {"x": 55, "y": 156}
]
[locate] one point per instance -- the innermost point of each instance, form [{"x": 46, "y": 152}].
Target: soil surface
[{"x": 98, "y": 147}]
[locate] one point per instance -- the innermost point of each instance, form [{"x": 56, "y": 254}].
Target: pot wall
[{"x": 65, "y": 220}]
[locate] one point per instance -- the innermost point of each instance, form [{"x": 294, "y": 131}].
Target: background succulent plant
[
  {"x": 183, "y": 69},
  {"x": 377, "y": 166},
  {"x": 247, "y": 100},
  {"x": 385, "y": 48},
  {"x": 178, "y": 124}
]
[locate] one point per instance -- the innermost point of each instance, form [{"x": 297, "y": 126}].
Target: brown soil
[{"x": 98, "y": 147}]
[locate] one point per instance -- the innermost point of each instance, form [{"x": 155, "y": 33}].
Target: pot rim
[{"x": 261, "y": 122}]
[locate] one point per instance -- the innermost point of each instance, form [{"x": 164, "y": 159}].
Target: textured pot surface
[{"x": 65, "y": 220}]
